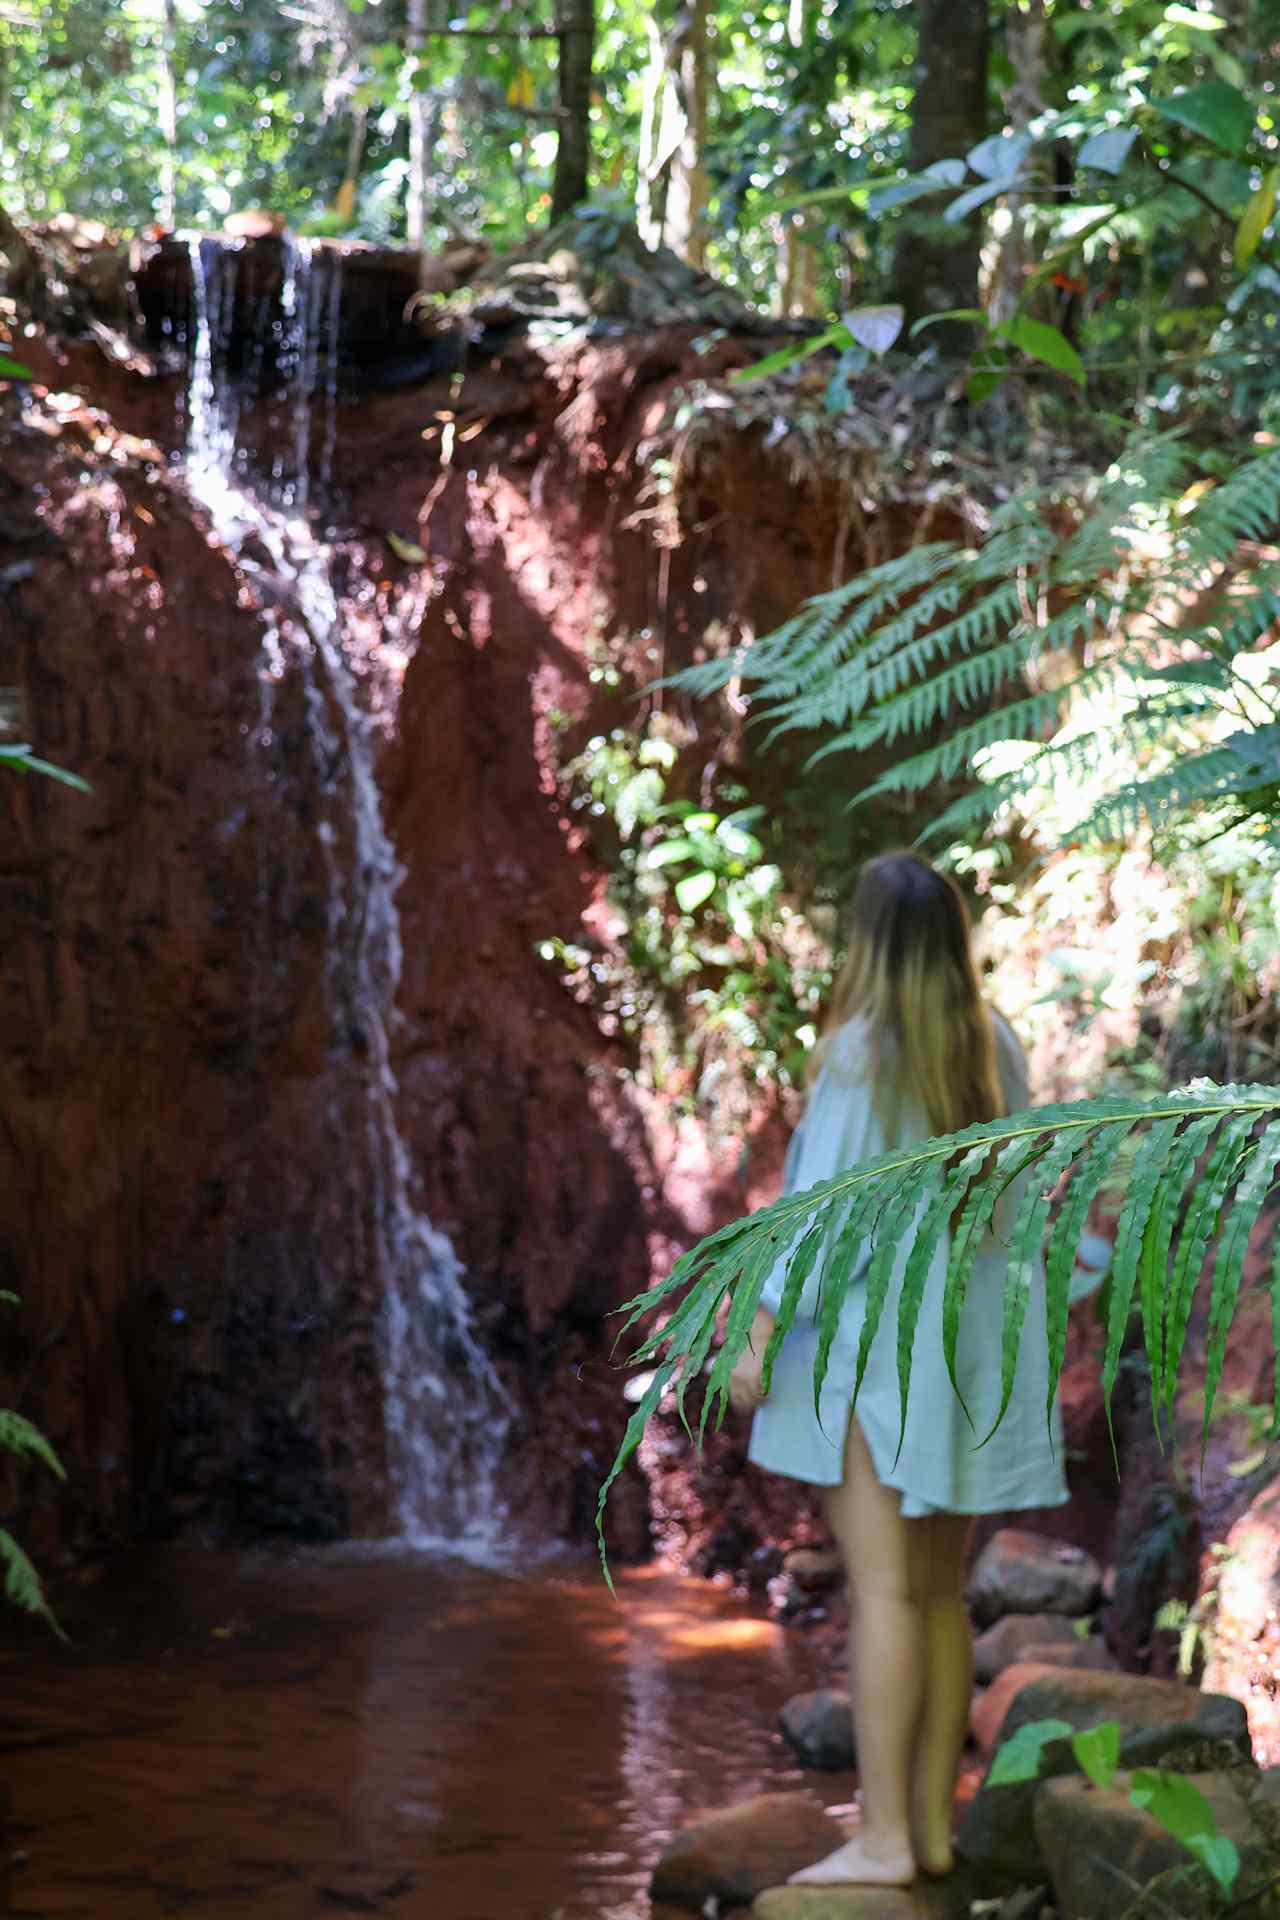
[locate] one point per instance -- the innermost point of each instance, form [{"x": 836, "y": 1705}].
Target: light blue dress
[{"x": 941, "y": 1467}]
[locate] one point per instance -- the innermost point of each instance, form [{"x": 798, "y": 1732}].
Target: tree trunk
[
  {"x": 1026, "y": 36},
  {"x": 798, "y": 261},
  {"x": 936, "y": 266},
  {"x": 168, "y": 209},
  {"x": 576, "y": 24},
  {"x": 685, "y": 224},
  {"x": 655, "y": 135},
  {"x": 426, "y": 21}
]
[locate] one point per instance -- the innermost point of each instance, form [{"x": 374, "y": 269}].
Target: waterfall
[{"x": 441, "y": 1400}]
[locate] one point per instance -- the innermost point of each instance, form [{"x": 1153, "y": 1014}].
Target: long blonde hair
[{"x": 911, "y": 975}]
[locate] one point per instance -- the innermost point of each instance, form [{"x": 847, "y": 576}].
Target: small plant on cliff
[
  {"x": 714, "y": 969},
  {"x": 22, "y": 1441}
]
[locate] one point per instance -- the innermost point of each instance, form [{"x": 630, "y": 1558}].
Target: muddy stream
[{"x": 330, "y": 1732}]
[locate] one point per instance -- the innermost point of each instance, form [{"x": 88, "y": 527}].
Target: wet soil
[{"x": 315, "y": 1733}]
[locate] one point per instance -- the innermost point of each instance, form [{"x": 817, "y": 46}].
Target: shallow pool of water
[{"x": 311, "y": 1734}]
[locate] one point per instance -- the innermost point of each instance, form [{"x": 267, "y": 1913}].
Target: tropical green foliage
[
  {"x": 1133, "y": 644},
  {"x": 1171, "y": 1799},
  {"x": 1204, "y": 1163},
  {"x": 22, "y": 1441}
]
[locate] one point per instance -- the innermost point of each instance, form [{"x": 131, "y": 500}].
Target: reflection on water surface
[{"x": 317, "y": 1733}]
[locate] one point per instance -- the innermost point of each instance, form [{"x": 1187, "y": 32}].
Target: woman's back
[{"x": 858, "y": 1109}]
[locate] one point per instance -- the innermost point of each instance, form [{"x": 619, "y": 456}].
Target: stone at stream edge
[
  {"x": 1156, "y": 1717},
  {"x": 1046, "y": 1637},
  {"x": 1020, "y": 1572},
  {"x": 818, "y": 1727},
  {"x": 814, "y": 1569},
  {"x": 736, "y": 1853},
  {"x": 1095, "y": 1844},
  {"x": 924, "y": 1901}
]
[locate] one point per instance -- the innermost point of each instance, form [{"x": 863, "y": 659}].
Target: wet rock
[
  {"x": 814, "y": 1569},
  {"x": 1009, "y": 1641},
  {"x": 1157, "y": 1717},
  {"x": 925, "y": 1901},
  {"x": 1245, "y": 1658},
  {"x": 818, "y": 1727},
  {"x": 1078, "y": 1656},
  {"x": 735, "y": 1854},
  {"x": 1024, "y": 1573},
  {"x": 1096, "y": 1842}
]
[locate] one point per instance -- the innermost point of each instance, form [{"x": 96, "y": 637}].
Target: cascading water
[{"x": 442, "y": 1407}]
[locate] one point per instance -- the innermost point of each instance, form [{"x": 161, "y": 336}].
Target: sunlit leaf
[
  {"x": 1097, "y": 1752},
  {"x": 1018, "y": 1759},
  {"x": 875, "y": 328},
  {"x": 1000, "y": 157},
  {"x": 694, "y": 889},
  {"x": 1106, "y": 152},
  {"x": 1176, "y": 1802},
  {"x": 1219, "y": 113},
  {"x": 1256, "y": 218},
  {"x": 404, "y": 549},
  {"x": 1043, "y": 343}
]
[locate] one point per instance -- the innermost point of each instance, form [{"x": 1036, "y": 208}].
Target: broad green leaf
[
  {"x": 951, "y": 315},
  {"x": 1176, "y": 1802},
  {"x": 11, "y": 369},
  {"x": 1000, "y": 157},
  {"x": 1219, "y": 113},
  {"x": 1043, "y": 343},
  {"x": 694, "y": 889},
  {"x": 668, "y": 851},
  {"x": 875, "y": 328},
  {"x": 899, "y": 193},
  {"x": 789, "y": 356},
  {"x": 1106, "y": 152},
  {"x": 1256, "y": 218},
  {"x": 1097, "y": 1752},
  {"x": 1018, "y": 1758},
  {"x": 1203, "y": 22},
  {"x": 967, "y": 203}
]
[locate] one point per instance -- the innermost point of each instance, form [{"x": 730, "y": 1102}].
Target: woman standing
[{"x": 911, "y": 1051}]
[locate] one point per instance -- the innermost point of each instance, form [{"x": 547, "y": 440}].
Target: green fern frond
[
  {"x": 22, "y": 1586},
  {"x": 1196, "y": 1148},
  {"x": 19, "y": 1436}
]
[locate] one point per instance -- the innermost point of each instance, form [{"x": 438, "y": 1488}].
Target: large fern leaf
[{"x": 1195, "y": 1148}]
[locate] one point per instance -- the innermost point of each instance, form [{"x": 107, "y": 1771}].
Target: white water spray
[{"x": 441, "y": 1401}]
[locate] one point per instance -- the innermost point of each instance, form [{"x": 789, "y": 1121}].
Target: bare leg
[
  {"x": 887, "y": 1673},
  {"x": 948, "y": 1648}
]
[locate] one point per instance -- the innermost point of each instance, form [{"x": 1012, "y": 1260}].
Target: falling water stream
[{"x": 442, "y": 1407}]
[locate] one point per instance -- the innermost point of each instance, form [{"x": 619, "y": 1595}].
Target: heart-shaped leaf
[
  {"x": 875, "y": 328},
  {"x": 1106, "y": 152}
]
